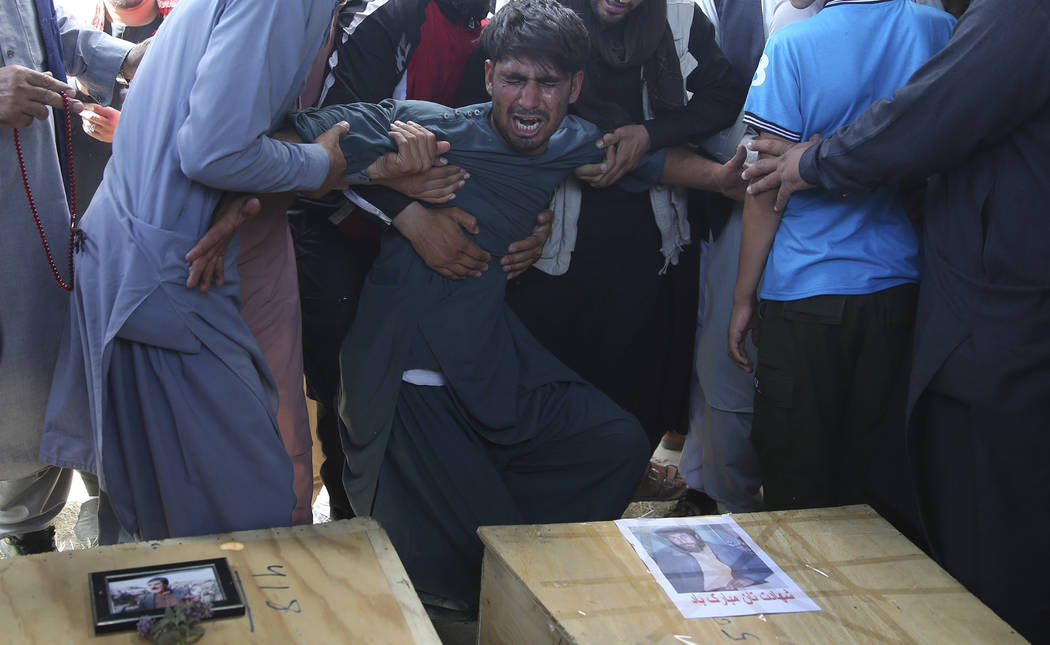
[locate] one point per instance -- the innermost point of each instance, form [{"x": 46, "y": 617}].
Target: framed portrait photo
[{"x": 120, "y": 598}]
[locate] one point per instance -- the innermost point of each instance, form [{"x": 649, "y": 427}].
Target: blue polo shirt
[{"x": 816, "y": 76}]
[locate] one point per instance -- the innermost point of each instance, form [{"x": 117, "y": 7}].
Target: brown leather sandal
[
  {"x": 692, "y": 504},
  {"x": 672, "y": 441},
  {"x": 661, "y": 483}
]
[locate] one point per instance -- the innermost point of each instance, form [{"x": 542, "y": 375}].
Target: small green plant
[{"x": 180, "y": 625}]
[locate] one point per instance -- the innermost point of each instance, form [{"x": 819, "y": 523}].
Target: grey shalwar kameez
[
  {"x": 162, "y": 390},
  {"x": 33, "y": 309}
]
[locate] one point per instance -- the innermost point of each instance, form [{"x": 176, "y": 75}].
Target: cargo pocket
[
  {"x": 774, "y": 387},
  {"x": 774, "y": 400}
]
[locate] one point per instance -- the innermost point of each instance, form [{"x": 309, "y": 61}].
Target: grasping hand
[
  {"x": 206, "y": 257},
  {"x": 730, "y": 182},
  {"x": 417, "y": 169},
  {"x": 631, "y": 142},
  {"x": 437, "y": 237},
  {"x": 436, "y": 186},
  {"x": 336, "y": 161},
  {"x": 592, "y": 173},
  {"x": 418, "y": 150},
  {"x": 25, "y": 94},
  {"x": 781, "y": 170},
  {"x": 524, "y": 253}
]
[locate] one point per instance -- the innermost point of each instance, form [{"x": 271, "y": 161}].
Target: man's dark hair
[
  {"x": 164, "y": 580},
  {"x": 540, "y": 30}
]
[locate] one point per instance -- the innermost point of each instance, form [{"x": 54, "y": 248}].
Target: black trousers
[
  {"x": 826, "y": 368},
  {"x": 982, "y": 462},
  {"x": 612, "y": 317},
  {"x": 332, "y": 269}
]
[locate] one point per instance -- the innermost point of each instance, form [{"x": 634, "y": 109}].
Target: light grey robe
[
  {"x": 32, "y": 306},
  {"x": 218, "y": 77}
]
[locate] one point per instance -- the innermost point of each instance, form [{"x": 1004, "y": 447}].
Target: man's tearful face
[
  {"x": 610, "y": 12},
  {"x": 529, "y": 101}
]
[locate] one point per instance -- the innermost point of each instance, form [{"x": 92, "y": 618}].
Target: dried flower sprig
[{"x": 180, "y": 625}]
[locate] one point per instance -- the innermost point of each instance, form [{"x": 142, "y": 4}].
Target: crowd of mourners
[{"x": 512, "y": 249}]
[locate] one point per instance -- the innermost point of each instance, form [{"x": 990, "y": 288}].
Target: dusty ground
[{"x": 64, "y": 523}]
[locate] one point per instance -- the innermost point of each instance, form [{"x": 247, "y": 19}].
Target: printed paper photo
[{"x": 710, "y": 567}]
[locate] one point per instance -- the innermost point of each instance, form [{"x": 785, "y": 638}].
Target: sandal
[
  {"x": 661, "y": 483},
  {"x": 672, "y": 441},
  {"x": 693, "y": 504}
]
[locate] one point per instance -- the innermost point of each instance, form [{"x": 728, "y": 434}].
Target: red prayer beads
[{"x": 67, "y": 286}]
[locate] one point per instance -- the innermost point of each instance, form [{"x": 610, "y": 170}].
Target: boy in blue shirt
[{"x": 840, "y": 272}]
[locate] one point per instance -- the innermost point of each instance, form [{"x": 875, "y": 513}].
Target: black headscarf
[{"x": 647, "y": 42}]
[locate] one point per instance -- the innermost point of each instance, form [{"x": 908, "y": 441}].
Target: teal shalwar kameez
[{"x": 513, "y": 436}]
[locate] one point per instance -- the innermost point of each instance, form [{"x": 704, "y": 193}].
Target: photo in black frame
[{"x": 120, "y": 598}]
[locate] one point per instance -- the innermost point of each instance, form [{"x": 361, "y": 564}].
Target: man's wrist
[
  {"x": 405, "y": 219},
  {"x": 743, "y": 297},
  {"x": 123, "y": 67},
  {"x": 359, "y": 177},
  {"x": 807, "y": 166},
  {"x": 316, "y": 165},
  {"x": 131, "y": 61}
]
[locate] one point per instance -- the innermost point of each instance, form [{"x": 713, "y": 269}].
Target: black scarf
[{"x": 647, "y": 42}]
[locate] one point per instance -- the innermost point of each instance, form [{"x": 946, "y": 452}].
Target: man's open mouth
[{"x": 526, "y": 126}]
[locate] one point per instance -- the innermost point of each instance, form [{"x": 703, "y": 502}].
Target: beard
[
  {"x": 695, "y": 547},
  {"x": 519, "y": 144},
  {"x": 126, "y": 4}
]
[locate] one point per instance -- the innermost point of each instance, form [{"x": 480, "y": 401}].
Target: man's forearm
[
  {"x": 132, "y": 60},
  {"x": 690, "y": 170},
  {"x": 759, "y": 227},
  {"x": 287, "y": 135},
  {"x": 386, "y": 200},
  {"x": 685, "y": 168}
]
